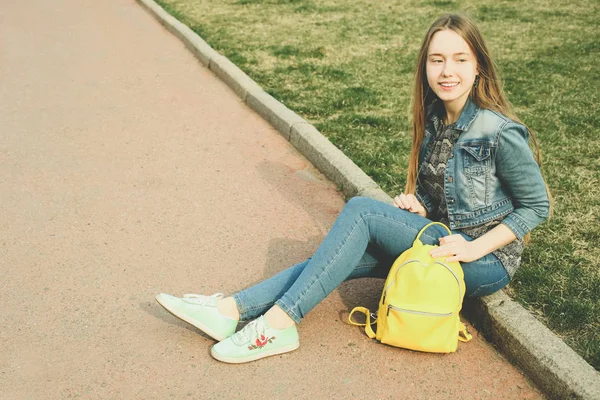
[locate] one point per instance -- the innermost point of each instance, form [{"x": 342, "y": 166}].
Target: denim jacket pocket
[{"x": 476, "y": 159}]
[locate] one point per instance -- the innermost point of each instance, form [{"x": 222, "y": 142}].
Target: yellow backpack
[{"x": 420, "y": 303}]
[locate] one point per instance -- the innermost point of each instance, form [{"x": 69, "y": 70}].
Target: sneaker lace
[
  {"x": 253, "y": 330},
  {"x": 202, "y": 299}
]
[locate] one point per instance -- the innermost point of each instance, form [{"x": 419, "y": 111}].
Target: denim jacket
[{"x": 490, "y": 174}]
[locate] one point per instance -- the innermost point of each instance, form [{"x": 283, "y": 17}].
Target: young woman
[{"x": 470, "y": 167}]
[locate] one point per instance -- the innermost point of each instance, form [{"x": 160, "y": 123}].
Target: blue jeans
[{"x": 364, "y": 241}]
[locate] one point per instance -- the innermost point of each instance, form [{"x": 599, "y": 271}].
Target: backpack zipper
[
  {"x": 429, "y": 314},
  {"x": 394, "y": 280}
]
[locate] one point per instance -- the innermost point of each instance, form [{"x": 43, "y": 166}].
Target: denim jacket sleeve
[{"x": 520, "y": 175}]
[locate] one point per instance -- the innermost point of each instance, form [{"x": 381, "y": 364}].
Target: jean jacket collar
[{"x": 467, "y": 116}]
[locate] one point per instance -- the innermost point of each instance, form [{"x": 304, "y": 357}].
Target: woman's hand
[
  {"x": 457, "y": 247},
  {"x": 410, "y": 203}
]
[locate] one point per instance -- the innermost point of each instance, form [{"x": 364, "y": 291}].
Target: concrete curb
[
  {"x": 546, "y": 359},
  {"x": 330, "y": 160},
  {"x": 234, "y": 77},
  {"x": 192, "y": 41},
  {"x": 281, "y": 117}
]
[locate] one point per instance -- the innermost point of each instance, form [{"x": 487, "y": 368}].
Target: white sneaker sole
[
  {"x": 236, "y": 360},
  {"x": 191, "y": 321}
]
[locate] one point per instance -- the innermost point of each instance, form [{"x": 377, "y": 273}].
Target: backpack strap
[
  {"x": 463, "y": 333},
  {"x": 367, "y": 324},
  {"x": 427, "y": 226}
]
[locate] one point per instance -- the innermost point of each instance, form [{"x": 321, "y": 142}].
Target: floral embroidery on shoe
[{"x": 261, "y": 342}]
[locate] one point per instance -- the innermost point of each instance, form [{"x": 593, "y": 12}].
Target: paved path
[{"x": 126, "y": 169}]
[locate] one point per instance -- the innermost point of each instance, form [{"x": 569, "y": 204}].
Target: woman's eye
[{"x": 462, "y": 60}]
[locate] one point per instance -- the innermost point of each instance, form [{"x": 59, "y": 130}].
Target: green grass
[{"x": 346, "y": 66}]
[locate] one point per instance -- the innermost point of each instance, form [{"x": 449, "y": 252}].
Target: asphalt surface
[{"x": 127, "y": 169}]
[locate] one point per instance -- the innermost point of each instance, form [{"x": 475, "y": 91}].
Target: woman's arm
[
  {"x": 460, "y": 249},
  {"x": 522, "y": 179}
]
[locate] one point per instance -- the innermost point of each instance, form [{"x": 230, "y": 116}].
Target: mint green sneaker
[
  {"x": 257, "y": 340},
  {"x": 200, "y": 311}
]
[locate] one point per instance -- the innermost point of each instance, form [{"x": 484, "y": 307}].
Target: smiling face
[{"x": 451, "y": 69}]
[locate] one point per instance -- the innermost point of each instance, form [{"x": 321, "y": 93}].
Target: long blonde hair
[{"x": 487, "y": 94}]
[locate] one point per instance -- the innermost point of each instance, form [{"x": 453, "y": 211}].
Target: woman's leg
[
  {"x": 254, "y": 301},
  {"x": 485, "y": 276},
  {"x": 362, "y": 222},
  {"x": 482, "y": 277}
]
